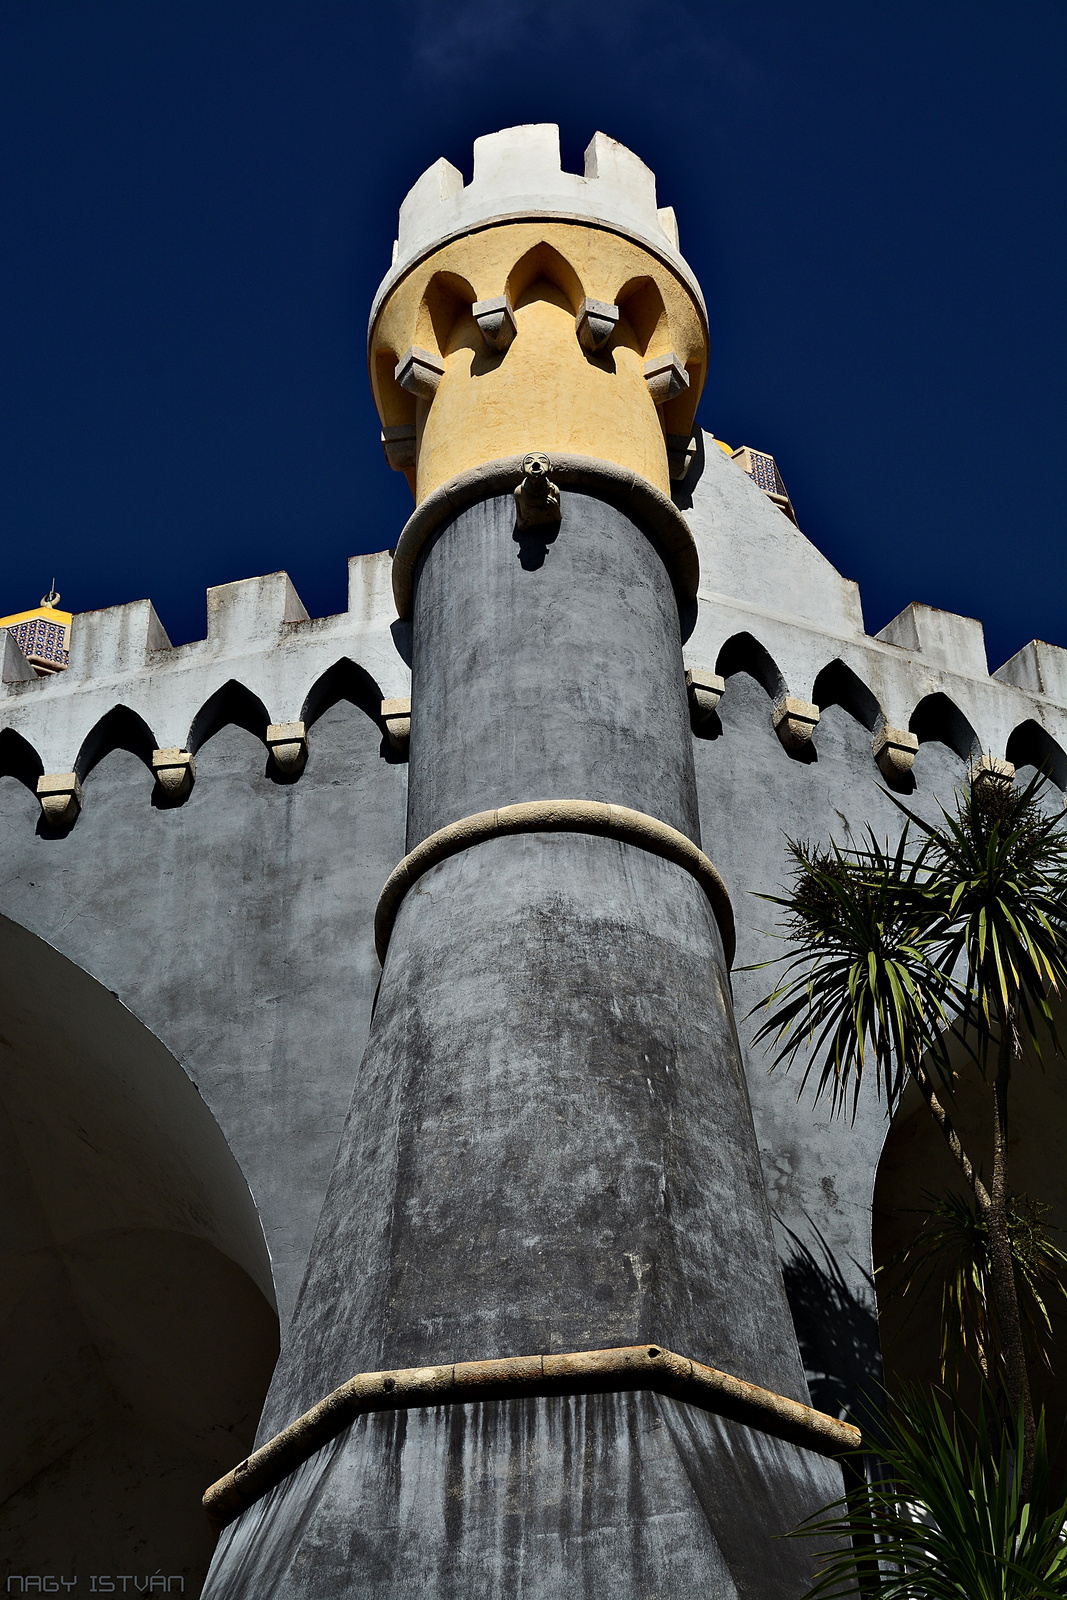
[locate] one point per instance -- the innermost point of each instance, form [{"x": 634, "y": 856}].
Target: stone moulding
[
  {"x": 627, "y": 1368},
  {"x": 619, "y": 486},
  {"x": 555, "y": 816},
  {"x": 795, "y": 721},
  {"x": 175, "y": 772},
  {"x": 60, "y": 794},
  {"x": 396, "y": 715},
  {"x": 419, "y": 372},
  {"x": 496, "y": 320},
  {"x": 288, "y": 744},
  {"x": 989, "y": 770},
  {"x": 704, "y": 691},
  {"x": 895, "y": 750},
  {"x": 398, "y": 444},
  {"x": 595, "y": 323},
  {"x": 666, "y": 377}
]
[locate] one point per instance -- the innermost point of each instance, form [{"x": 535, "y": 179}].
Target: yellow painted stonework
[
  {"x": 45, "y": 613},
  {"x": 544, "y": 392}
]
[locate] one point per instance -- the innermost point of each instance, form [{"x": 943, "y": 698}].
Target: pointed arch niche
[{"x": 139, "y": 1330}]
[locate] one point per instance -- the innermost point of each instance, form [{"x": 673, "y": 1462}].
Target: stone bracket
[
  {"x": 175, "y": 772},
  {"x": 666, "y": 377},
  {"x": 496, "y": 319},
  {"x": 681, "y": 448},
  {"x": 894, "y": 750},
  {"x": 989, "y": 771},
  {"x": 625, "y": 1369},
  {"x": 795, "y": 721},
  {"x": 288, "y": 745},
  {"x": 398, "y": 443},
  {"x": 396, "y": 714},
  {"x": 704, "y": 691},
  {"x": 60, "y": 794},
  {"x": 419, "y": 372},
  {"x": 595, "y": 323}
]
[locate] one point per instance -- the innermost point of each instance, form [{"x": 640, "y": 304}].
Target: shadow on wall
[
  {"x": 837, "y": 1329},
  {"x": 915, "y": 1166},
  {"x": 139, "y": 1330}
]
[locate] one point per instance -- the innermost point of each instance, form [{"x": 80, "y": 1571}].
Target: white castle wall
[{"x": 760, "y": 577}]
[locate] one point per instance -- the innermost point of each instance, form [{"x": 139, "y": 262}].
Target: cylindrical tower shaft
[{"x": 550, "y": 1147}]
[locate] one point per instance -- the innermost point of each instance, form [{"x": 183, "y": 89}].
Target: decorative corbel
[
  {"x": 894, "y": 750},
  {"x": 989, "y": 771},
  {"x": 595, "y": 323},
  {"x": 419, "y": 372},
  {"x": 175, "y": 772},
  {"x": 60, "y": 794},
  {"x": 795, "y": 721},
  {"x": 704, "y": 691},
  {"x": 666, "y": 377},
  {"x": 398, "y": 442},
  {"x": 496, "y": 319},
  {"x": 396, "y": 714},
  {"x": 536, "y": 497},
  {"x": 681, "y": 448},
  {"x": 288, "y": 745}
]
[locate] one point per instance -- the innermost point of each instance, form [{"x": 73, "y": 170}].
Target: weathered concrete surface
[
  {"x": 550, "y": 1145},
  {"x": 238, "y": 927},
  {"x": 546, "y": 666},
  {"x": 819, "y": 1172},
  {"x": 591, "y": 1496}
]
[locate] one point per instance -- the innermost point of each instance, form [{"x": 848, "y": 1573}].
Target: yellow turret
[
  {"x": 43, "y": 635},
  {"x": 535, "y": 309}
]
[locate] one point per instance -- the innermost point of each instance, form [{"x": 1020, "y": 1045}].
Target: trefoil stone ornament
[
  {"x": 536, "y": 497},
  {"x": 595, "y": 323},
  {"x": 496, "y": 320},
  {"x": 175, "y": 772}
]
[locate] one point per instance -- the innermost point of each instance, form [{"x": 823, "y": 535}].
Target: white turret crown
[{"x": 518, "y": 174}]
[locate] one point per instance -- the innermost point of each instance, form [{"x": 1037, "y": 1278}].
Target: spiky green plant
[
  {"x": 953, "y": 1245},
  {"x": 953, "y": 1520},
  {"x": 896, "y": 949}
]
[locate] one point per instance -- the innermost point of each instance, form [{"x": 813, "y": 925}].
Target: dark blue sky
[{"x": 199, "y": 199}]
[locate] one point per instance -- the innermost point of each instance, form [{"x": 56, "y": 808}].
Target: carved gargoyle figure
[{"x": 536, "y": 497}]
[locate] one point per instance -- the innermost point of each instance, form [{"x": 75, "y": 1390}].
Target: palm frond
[{"x": 951, "y": 1521}]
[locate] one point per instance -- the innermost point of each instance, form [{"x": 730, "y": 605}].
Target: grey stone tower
[{"x": 550, "y": 1149}]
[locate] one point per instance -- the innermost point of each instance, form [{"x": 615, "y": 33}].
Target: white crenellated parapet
[
  {"x": 518, "y": 174},
  {"x": 768, "y": 604},
  {"x": 1039, "y": 668},
  {"x": 771, "y": 604},
  {"x": 259, "y": 636},
  {"x": 941, "y": 637}
]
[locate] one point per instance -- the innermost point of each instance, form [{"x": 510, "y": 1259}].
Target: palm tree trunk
[
  {"x": 1000, "y": 1255},
  {"x": 993, "y": 1204},
  {"x": 952, "y": 1138}
]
